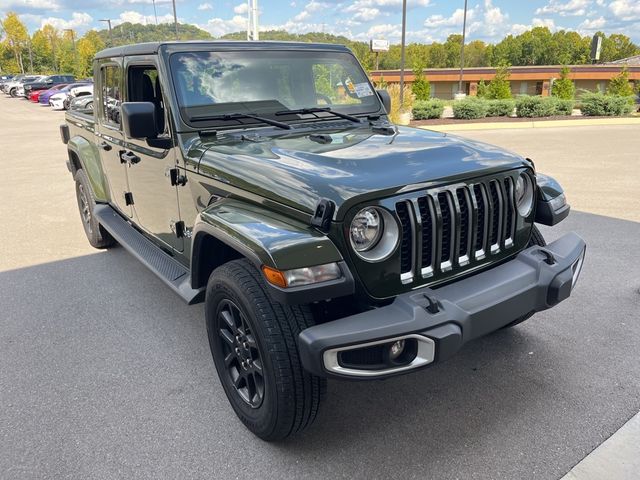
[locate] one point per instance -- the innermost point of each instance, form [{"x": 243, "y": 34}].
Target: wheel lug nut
[{"x": 245, "y": 345}]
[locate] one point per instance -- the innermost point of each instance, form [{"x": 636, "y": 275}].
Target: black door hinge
[
  {"x": 177, "y": 179},
  {"x": 128, "y": 198},
  {"x": 179, "y": 226}
]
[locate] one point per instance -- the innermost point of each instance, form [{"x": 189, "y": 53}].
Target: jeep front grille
[{"x": 456, "y": 226}]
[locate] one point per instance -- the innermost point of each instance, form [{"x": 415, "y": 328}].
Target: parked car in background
[
  {"x": 83, "y": 103},
  {"x": 9, "y": 78},
  {"x": 62, "y": 92},
  {"x": 15, "y": 88},
  {"x": 46, "y": 83},
  {"x": 36, "y": 95},
  {"x": 78, "y": 92},
  {"x": 4, "y": 78}
]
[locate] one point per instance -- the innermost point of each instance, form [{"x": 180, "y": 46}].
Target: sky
[{"x": 427, "y": 20}]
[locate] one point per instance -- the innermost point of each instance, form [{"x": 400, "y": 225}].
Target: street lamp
[
  {"x": 464, "y": 31},
  {"x": 108, "y": 20},
  {"x": 404, "y": 31},
  {"x": 175, "y": 17}
]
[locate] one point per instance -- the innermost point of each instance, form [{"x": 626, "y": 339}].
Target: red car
[{"x": 35, "y": 96}]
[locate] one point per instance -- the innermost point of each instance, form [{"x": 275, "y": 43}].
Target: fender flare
[
  {"x": 86, "y": 153},
  {"x": 551, "y": 205},
  {"x": 270, "y": 239}
]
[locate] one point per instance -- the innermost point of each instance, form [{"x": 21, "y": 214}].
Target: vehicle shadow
[{"x": 103, "y": 366}]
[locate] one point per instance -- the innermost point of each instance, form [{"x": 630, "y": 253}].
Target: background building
[{"x": 533, "y": 80}]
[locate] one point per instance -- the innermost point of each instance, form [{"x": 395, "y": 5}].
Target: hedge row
[
  {"x": 534, "y": 107},
  {"x": 525, "y": 106},
  {"x": 592, "y": 104},
  {"x": 601, "y": 105},
  {"x": 471, "y": 108},
  {"x": 426, "y": 109}
]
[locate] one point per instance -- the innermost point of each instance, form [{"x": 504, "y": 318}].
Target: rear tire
[
  {"x": 536, "y": 239},
  {"x": 13, "y": 92},
  {"x": 253, "y": 342},
  {"x": 98, "y": 237}
]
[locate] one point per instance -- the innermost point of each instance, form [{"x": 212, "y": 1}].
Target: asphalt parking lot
[{"x": 104, "y": 373}]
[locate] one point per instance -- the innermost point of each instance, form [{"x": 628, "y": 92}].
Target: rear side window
[{"x": 111, "y": 94}]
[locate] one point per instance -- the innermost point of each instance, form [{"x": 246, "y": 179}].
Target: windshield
[{"x": 266, "y": 82}]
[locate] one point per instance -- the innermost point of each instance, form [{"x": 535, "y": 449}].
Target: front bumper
[{"x": 441, "y": 320}]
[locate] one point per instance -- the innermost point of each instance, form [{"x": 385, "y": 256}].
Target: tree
[
  {"x": 617, "y": 46},
  {"x": 620, "y": 85},
  {"x": 420, "y": 86},
  {"x": 17, "y": 37},
  {"x": 87, "y": 48},
  {"x": 500, "y": 87},
  {"x": 564, "y": 87}
]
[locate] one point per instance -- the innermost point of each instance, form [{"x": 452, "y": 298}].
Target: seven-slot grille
[{"x": 455, "y": 226}]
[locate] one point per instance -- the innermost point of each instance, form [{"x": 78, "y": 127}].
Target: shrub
[
  {"x": 620, "y": 86},
  {"x": 500, "y": 108},
  {"x": 470, "y": 108},
  {"x": 563, "y": 107},
  {"x": 482, "y": 89},
  {"x": 601, "y": 105},
  {"x": 396, "y": 108},
  {"x": 426, "y": 109},
  {"x": 421, "y": 89},
  {"x": 499, "y": 87},
  {"x": 564, "y": 87},
  {"x": 535, "y": 106}
]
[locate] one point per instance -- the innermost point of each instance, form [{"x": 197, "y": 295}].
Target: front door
[
  {"x": 155, "y": 199},
  {"x": 109, "y": 136}
]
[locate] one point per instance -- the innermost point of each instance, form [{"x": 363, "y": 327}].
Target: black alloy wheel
[{"x": 241, "y": 353}]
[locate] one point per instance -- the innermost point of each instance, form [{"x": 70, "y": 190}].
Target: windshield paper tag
[{"x": 363, "y": 90}]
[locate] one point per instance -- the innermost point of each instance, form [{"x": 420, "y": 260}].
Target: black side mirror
[
  {"x": 385, "y": 99},
  {"x": 139, "y": 120}
]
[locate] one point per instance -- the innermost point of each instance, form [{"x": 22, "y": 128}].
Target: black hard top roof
[{"x": 151, "y": 48}]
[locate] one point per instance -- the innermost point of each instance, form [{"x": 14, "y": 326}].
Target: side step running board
[{"x": 172, "y": 272}]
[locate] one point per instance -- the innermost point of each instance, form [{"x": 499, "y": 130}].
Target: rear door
[
  {"x": 109, "y": 136},
  {"x": 155, "y": 198}
]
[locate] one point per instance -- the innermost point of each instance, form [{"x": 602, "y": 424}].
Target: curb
[
  {"x": 616, "y": 458},
  {"x": 532, "y": 124}
]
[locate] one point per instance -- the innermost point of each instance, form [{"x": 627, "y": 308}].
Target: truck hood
[{"x": 348, "y": 166}]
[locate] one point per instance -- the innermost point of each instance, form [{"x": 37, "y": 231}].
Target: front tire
[
  {"x": 13, "y": 92},
  {"x": 254, "y": 349},
  {"x": 98, "y": 237}
]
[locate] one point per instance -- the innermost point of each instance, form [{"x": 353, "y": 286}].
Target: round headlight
[
  {"x": 374, "y": 234},
  {"x": 366, "y": 229},
  {"x": 524, "y": 194}
]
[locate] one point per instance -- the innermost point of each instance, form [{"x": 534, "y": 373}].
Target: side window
[
  {"x": 111, "y": 95},
  {"x": 143, "y": 85}
]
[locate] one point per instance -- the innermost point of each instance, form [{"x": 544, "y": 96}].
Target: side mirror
[
  {"x": 139, "y": 120},
  {"x": 385, "y": 99}
]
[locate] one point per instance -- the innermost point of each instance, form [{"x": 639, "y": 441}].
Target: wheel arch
[
  {"x": 231, "y": 229},
  {"x": 83, "y": 154}
]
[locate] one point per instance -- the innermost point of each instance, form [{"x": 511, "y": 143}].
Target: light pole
[
  {"x": 404, "y": 31},
  {"x": 108, "y": 20},
  {"x": 464, "y": 31},
  {"x": 73, "y": 39},
  {"x": 175, "y": 17},
  {"x": 155, "y": 12}
]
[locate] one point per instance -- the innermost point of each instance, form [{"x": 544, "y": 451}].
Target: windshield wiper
[
  {"x": 239, "y": 116},
  {"x": 313, "y": 110}
]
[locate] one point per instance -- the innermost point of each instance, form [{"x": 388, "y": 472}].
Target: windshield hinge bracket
[{"x": 323, "y": 214}]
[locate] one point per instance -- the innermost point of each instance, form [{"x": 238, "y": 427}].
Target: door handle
[
  {"x": 105, "y": 146},
  {"x": 129, "y": 157}
]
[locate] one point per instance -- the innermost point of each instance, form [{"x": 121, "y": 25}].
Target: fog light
[{"x": 396, "y": 349}]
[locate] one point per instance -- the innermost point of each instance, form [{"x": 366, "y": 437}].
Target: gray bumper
[{"x": 445, "y": 318}]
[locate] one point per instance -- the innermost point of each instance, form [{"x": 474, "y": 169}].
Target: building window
[
  {"x": 524, "y": 88},
  {"x": 538, "y": 88}
]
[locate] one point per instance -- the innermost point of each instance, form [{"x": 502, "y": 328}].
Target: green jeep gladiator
[{"x": 266, "y": 180}]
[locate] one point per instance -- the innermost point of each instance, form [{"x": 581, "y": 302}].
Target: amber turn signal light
[{"x": 275, "y": 277}]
